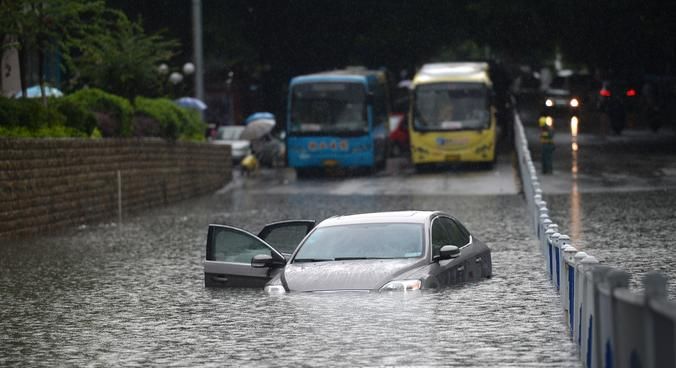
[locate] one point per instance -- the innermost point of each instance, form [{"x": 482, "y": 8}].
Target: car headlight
[
  {"x": 275, "y": 289},
  {"x": 574, "y": 102},
  {"x": 402, "y": 285},
  {"x": 549, "y": 102}
]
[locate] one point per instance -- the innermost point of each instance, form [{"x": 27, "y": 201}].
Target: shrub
[
  {"x": 115, "y": 110},
  {"x": 28, "y": 113},
  {"x": 162, "y": 117},
  {"x": 77, "y": 116},
  {"x": 156, "y": 117},
  {"x": 192, "y": 127}
]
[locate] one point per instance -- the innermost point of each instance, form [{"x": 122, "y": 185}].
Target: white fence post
[
  {"x": 660, "y": 329},
  {"x": 606, "y": 316}
]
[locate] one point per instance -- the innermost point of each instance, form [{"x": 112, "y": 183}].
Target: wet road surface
[
  {"x": 614, "y": 195},
  {"x": 133, "y": 295}
]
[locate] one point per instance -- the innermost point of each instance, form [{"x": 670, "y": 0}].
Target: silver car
[{"x": 384, "y": 251}]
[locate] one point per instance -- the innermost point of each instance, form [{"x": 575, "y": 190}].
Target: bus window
[
  {"x": 328, "y": 108},
  {"x": 451, "y": 106}
]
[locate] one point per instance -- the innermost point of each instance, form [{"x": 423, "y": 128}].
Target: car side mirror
[
  {"x": 449, "y": 252},
  {"x": 266, "y": 260}
]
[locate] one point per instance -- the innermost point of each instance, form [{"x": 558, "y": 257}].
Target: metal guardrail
[{"x": 611, "y": 325}]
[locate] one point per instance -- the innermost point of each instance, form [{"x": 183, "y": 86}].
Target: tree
[
  {"x": 124, "y": 60},
  {"x": 46, "y": 26}
]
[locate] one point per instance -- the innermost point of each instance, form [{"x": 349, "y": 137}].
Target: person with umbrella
[{"x": 265, "y": 148}]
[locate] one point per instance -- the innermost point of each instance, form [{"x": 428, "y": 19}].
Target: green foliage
[
  {"x": 124, "y": 59},
  {"x": 113, "y": 113},
  {"x": 47, "y": 26},
  {"x": 94, "y": 113},
  {"x": 77, "y": 116},
  {"x": 42, "y": 132},
  {"x": 192, "y": 127},
  {"x": 161, "y": 117},
  {"x": 28, "y": 114}
]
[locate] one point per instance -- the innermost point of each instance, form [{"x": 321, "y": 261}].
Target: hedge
[
  {"x": 113, "y": 113},
  {"x": 95, "y": 113}
]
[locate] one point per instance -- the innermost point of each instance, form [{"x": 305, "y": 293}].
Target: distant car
[
  {"x": 384, "y": 251},
  {"x": 618, "y": 91},
  {"x": 230, "y": 135},
  {"x": 560, "y": 99}
]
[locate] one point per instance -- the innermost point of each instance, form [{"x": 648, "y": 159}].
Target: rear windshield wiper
[{"x": 312, "y": 260}]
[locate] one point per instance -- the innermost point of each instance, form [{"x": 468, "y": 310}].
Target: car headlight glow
[
  {"x": 574, "y": 102},
  {"x": 549, "y": 103},
  {"x": 402, "y": 285},
  {"x": 275, "y": 289}
]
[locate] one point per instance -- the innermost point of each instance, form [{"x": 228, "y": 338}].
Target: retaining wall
[
  {"x": 611, "y": 325},
  {"x": 49, "y": 184}
]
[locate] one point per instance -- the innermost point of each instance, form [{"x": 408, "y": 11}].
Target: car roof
[{"x": 416, "y": 217}]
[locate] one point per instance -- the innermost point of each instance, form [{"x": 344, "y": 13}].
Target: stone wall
[{"x": 50, "y": 184}]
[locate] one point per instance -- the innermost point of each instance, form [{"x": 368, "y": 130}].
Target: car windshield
[
  {"x": 451, "y": 106},
  {"x": 328, "y": 107},
  {"x": 230, "y": 133},
  {"x": 363, "y": 241}
]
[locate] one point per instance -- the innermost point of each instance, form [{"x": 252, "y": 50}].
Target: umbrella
[
  {"x": 191, "y": 103},
  {"x": 34, "y": 92},
  {"x": 260, "y": 116},
  {"x": 257, "y": 129}
]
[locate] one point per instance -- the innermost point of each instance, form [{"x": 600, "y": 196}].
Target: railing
[{"x": 611, "y": 325}]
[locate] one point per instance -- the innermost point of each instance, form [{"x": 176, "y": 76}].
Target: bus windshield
[
  {"x": 452, "y": 106},
  {"x": 330, "y": 107}
]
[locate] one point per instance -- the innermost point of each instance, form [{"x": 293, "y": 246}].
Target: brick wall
[{"x": 49, "y": 184}]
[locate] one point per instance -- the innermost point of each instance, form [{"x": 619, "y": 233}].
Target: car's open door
[
  {"x": 286, "y": 235},
  {"x": 229, "y": 256},
  {"x": 231, "y": 251}
]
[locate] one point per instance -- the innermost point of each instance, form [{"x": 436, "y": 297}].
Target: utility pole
[{"x": 197, "y": 48}]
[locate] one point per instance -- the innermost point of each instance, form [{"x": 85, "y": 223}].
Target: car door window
[
  {"x": 285, "y": 236},
  {"x": 458, "y": 237},
  {"x": 286, "y": 239},
  {"x": 440, "y": 235},
  {"x": 233, "y": 245}
]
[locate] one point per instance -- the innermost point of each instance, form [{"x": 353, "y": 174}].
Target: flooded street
[{"x": 134, "y": 295}]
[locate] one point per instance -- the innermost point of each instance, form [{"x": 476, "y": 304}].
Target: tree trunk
[
  {"x": 41, "y": 74},
  {"x": 23, "y": 54}
]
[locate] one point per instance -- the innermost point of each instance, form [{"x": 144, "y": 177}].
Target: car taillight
[
  {"x": 605, "y": 93},
  {"x": 631, "y": 92}
]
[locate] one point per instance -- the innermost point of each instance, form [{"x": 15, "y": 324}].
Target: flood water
[{"x": 134, "y": 296}]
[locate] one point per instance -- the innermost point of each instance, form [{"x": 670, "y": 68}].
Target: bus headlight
[
  {"x": 574, "y": 102},
  {"x": 549, "y": 102},
  {"x": 402, "y": 285}
]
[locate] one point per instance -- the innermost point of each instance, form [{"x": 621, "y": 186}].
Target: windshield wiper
[{"x": 312, "y": 259}]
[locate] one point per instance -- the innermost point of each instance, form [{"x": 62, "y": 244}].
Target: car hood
[{"x": 369, "y": 274}]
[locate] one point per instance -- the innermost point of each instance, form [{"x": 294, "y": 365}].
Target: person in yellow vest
[{"x": 547, "y": 142}]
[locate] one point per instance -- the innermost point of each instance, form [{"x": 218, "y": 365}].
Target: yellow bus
[{"x": 452, "y": 118}]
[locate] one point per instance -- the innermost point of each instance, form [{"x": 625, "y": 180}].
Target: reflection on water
[{"x": 575, "y": 211}]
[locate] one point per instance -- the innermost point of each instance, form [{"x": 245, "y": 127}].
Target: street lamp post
[{"x": 175, "y": 77}]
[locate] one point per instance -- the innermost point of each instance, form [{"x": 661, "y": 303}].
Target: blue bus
[{"x": 337, "y": 119}]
